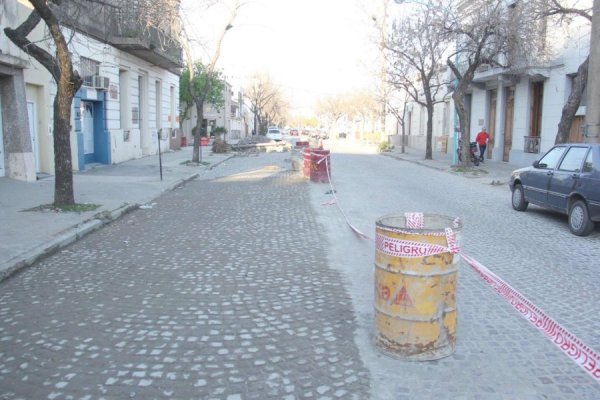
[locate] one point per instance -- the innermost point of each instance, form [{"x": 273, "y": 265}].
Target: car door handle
[
  {"x": 575, "y": 176},
  {"x": 549, "y": 173}
]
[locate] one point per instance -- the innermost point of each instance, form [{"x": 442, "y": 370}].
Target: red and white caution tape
[
  {"x": 409, "y": 249},
  {"x": 569, "y": 344},
  {"x": 354, "y": 229},
  {"x": 414, "y": 220}
]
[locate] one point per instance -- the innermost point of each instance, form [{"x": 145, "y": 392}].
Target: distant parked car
[
  {"x": 274, "y": 134},
  {"x": 565, "y": 179},
  {"x": 322, "y": 134},
  {"x": 294, "y": 132},
  {"x": 342, "y": 135}
]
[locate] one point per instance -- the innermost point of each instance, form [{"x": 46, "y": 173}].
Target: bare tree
[
  {"x": 563, "y": 12},
  {"x": 396, "y": 106},
  {"x": 261, "y": 92},
  {"x": 67, "y": 81},
  {"x": 362, "y": 105},
  {"x": 416, "y": 47},
  {"x": 198, "y": 93},
  {"x": 276, "y": 111},
  {"x": 486, "y": 32},
  {"x": 55, "y": 54},
  {"x": 330, "y": 109}
]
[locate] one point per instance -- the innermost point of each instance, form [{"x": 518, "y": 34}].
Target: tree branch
[{"x": 19, "y": 37}]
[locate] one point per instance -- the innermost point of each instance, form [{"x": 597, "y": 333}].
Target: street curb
[
  {"x": 493, "y": 182},
  {"x": 396, "y": 157},
  {"x": 74, "y": 233},
  {"x": 221, "y": 162}
]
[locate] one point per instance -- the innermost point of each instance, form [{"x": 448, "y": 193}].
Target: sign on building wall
[{"x": 113, "y": 92}]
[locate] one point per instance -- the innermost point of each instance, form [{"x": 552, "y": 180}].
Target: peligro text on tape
[{"x": 408, "y": 249}]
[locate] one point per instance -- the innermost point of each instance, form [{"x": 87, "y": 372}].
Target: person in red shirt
[{"x": 482, "y": 140}]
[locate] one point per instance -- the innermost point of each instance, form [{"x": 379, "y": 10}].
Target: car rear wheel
[
  {"x": 518, "y": 198},
  {"x": 580, "y": 223}
]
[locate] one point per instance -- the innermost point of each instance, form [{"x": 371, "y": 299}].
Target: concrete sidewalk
[
  {"x": 27, "y": 236},
  {"x": 489, "y": 172}
]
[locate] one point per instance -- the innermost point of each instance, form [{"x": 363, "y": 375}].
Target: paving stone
[{"x": 190, "y": 299}]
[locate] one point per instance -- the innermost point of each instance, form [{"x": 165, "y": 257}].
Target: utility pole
[{"x": 592, "y": 116}]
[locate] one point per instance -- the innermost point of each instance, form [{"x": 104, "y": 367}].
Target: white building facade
[
  {"x": 233, "y": 116},
  {"x": 520, "y": 107},
  {"x": 125, "y": 101}
]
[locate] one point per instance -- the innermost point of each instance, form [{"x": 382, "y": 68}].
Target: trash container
[
  {"x": 306, "y": 165},
  {"x": 320, "y": 165},
  {"x": 415, "y": 285},
  {"x": 183, "y": 141}
]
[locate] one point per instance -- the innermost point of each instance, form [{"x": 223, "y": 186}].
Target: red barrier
[
  {"x": 320, "y": 165},
  {"x": 306, "y": 165}
]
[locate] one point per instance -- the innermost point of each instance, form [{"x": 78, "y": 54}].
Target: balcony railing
[
  {"x": 532, "y": 144},
  {"x": 158, "y": 46}
]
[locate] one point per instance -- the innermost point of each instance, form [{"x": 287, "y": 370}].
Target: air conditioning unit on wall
[{"x": 101, "y": 82}]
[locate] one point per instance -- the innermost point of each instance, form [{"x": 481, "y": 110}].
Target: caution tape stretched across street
[
  {"x": 584, "y": 356},
  {"x": 569, "y": 344}
]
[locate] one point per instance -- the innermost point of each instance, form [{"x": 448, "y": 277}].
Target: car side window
[
  {"x": 588, "y": 166},
  {"x": 573, "y": 160},
  {"x": 551, "y": 158}
]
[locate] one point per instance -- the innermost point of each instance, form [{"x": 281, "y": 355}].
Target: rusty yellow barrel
[{"x": 416, "y": 269}]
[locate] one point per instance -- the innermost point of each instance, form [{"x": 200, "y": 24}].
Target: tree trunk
[
  {"x": 63, "y": 169},
  {"x": 572, "y": 104},
  {"x": 197, "y": 151},
  {"x": 458, "y": 97},
  {"x": 67, "y": 81},
  {"x": 428, "y": 147},
  {"x": 402, "y": 149}
]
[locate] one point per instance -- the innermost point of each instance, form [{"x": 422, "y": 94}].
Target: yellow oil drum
[{"x": 415, "y": 286}]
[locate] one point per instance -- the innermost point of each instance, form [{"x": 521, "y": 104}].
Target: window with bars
[{"x": 88, "y": 68}]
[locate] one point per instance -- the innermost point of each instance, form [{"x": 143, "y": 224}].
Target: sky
[{"x": 310, "y": 48}]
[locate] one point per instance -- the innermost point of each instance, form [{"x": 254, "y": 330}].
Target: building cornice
[{"x": 12, "y": 61}]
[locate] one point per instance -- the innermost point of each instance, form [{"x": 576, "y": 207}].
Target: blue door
[{"x": 87, "y": 128}]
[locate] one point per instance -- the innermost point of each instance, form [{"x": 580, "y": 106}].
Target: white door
[
  {"x": 87, "y": 127},
  {"x": 33, "y": 133},
  {"x": 2, "y": 172}
]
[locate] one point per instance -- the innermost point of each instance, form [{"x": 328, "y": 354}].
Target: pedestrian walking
[{"x": 482, "y": 139}]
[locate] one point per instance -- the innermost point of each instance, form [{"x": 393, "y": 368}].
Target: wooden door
[
  {"x": 508, "y": 122},
  {"x": 492, "y": 122},
  {"x": 575, "y": 135}
]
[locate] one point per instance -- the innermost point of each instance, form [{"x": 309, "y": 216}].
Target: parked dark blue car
[{"x": 565, "y": 179}]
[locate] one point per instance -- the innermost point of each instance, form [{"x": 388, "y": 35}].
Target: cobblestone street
[
  {"x": 206, "y": 295},
  {"x": 246, "y": 283}
]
